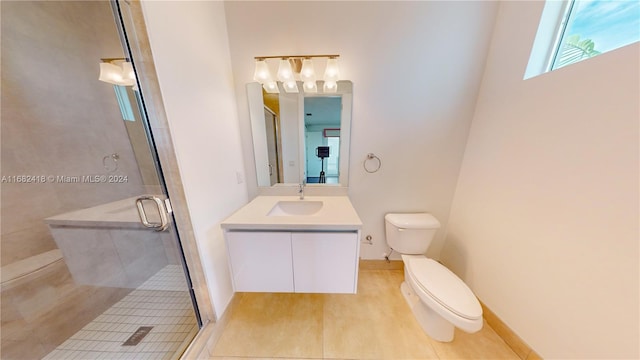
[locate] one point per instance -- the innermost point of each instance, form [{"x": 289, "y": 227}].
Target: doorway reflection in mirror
[
  {"x": 288, "y": 128},
  {"x": 322, "y": 139}
]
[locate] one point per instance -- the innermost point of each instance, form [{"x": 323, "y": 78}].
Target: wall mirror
[{"x": 301, "y": 136}]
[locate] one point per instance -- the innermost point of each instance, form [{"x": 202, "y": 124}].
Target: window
[
  {"x": 571, "y": 31},
  {"x": 595, "y": 27}
]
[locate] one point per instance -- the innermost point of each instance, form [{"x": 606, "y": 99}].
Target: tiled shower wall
[{"x": 57, "y": 118}]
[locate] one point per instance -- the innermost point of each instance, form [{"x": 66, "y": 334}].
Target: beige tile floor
[{"x": 376, "y": 323}]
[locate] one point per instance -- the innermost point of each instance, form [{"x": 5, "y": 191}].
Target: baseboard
[
  {"x": 381, "y": 265},
  {"x": 207, "y": 338},
  {"x": 516, "y": 344},
  {"x": 198, "y": 347}
]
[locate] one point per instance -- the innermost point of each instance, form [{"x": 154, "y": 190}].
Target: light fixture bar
[
  {"x": 293, "y": 68},
  {"x": 296, "y": 57},
  {"x": 107, "y": 60}
]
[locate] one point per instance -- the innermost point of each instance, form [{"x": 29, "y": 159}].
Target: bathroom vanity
[{"x": 284, "y": 244}]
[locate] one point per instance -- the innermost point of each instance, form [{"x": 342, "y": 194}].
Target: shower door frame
[{"x": 132, "y": 29}]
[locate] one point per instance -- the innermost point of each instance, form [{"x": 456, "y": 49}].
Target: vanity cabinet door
[
  {"x": 325, "y": 262},
  {"x": 260, "y": 261}
]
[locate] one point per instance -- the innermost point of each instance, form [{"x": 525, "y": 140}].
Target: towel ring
[
  {"x": 114, "y": 162},
  {"x": 371, "y": 156}
]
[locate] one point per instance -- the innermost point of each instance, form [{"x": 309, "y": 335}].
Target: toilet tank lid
[{"x": 413, "y": 221}]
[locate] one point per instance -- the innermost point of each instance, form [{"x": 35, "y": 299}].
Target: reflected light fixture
[
  {"x": 271, "y": 87},
  {"x": 293, "y": 68},
  {"x": 310, "y": 87},
  {"x": 330, "y": 87},
  {"x": 117, "y": 71}
]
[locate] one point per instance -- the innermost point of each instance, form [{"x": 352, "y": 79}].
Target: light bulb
[
  {"x": 330, "y": 87},
  {"x": 128, "y": 77},
  {"x": 261, "y": 73},
  {"x": 271, "y": 87},
  {"x": 120, "y": 73},
  {"x": 332, "y": 72},
  {"x": 307, "y": 73},
  {"x": 110, "y": 73},
  {"x": 290, "y": 86},
  {"x": 127, "y": 71},
  {"x": 284, "y": 71},
  {"x": 310, "y": 87}
]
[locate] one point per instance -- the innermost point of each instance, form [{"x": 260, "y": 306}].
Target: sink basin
[{"x": 295, "y": 208}]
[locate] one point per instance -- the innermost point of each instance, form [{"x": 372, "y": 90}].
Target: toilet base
[{"x": 433, "y": 324}]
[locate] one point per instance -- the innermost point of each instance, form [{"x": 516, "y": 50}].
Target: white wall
[
  {"x": 416, "y": 69},
  {"x": 544, "y": 224},
  {"x": 190, "y": 46}
]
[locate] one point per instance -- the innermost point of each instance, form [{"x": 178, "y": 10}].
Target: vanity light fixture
[
  {"x": 331, "y": 76},
  {"x": 285, "y": 74},
  {"x": 307, "y": 73},
  {"x": 261, "y": 74},
  {"x": 297, "y": 67},
  {"x": 308, "y": 76},
  {"x": 117, "y": 71}
]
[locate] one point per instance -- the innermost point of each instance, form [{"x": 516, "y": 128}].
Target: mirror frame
[{"x": 256, "y": 113}]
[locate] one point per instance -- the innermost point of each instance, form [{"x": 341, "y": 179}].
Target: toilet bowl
[{"x": 439, "y": 299}]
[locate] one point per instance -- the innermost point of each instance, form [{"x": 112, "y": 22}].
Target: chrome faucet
[{"x": 301, "y": 189}]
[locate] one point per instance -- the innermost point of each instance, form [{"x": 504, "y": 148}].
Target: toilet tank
[{"x": 410, "y": 233}]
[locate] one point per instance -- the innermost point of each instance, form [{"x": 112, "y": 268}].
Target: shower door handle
[{"x": 162, "y": 210}]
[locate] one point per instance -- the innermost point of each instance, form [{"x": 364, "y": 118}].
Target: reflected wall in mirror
[
  {"x": 322, "y": 139},
  {"x": 301, "y": 136}
]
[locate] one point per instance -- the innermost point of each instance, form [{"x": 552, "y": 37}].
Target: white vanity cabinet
[
  {"x": 325, "y": 262},
  {"x": 293, "y": 261},
  {"x": 260, "y": 261}
]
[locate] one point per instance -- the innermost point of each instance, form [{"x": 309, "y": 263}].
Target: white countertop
[{"x": 337, "y": 213}]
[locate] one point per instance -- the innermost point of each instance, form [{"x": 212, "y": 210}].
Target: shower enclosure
[{"x": 82, "y": 277}]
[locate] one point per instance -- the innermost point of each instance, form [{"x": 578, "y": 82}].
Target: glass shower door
[{"x": 82, "y": 277}]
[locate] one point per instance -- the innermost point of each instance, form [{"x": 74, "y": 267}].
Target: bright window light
[
  {"x": 574, "y": 30},
  {"x": 595, "y": 27}
]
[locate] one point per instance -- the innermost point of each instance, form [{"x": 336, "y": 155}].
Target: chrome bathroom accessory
[
  {"x": 111, "y": 166},
  {"x": 163, "y": 211},
  {"x": 301, "y": 189},
  {"x": 372, "y": 156}
]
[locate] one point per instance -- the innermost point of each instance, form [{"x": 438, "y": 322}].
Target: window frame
[
  {"x": 553, "y": 19},
  {"x": 555, "y": 22},
  {"x": 562, "y": 27}
]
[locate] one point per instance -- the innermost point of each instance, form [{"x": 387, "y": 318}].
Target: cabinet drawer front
[
  {"x": 261, "y": 261},
  {"x": 325, "y": 262}
]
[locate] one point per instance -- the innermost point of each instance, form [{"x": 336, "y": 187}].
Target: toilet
[{"x": 439, "y": 299}]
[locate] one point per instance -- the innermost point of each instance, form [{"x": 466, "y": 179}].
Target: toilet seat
[{"x": 444, "y": 287}]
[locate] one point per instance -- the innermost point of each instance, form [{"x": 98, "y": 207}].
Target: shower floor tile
[{"x": 162, "y": 303}]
